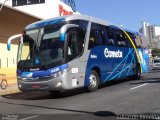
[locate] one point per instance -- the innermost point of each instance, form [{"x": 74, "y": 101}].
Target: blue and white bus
[{"x": 74, "y": 51}]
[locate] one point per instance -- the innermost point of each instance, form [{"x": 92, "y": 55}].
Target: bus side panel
[
  {"x": 77, "y": 70},
  {"x": 113, "y": 62},
  {"x": 97, "y": 60},
  {"x": 144, "y": 58}
]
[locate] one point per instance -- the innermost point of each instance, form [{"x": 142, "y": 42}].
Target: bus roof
[{"x": 55, "y": 20}]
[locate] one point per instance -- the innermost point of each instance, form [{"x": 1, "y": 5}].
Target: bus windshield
[{"x": 41, "y": 48}]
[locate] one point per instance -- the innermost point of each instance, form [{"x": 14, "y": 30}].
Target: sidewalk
[
  {"x": 10, "y": 89},
  {"x": 11, "y": 79}
]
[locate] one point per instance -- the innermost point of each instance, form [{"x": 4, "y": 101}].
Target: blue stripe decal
[
  {"x": 44, "y": 23},
  {"x": 120, "y": 72},
  {"x": 144, "y": 58},
  {"x": 42, "y": 73},
  {"x": 133, "y": 59},
  {"x": 124, "y": 63},
  {"x": 62, "y": 37}
]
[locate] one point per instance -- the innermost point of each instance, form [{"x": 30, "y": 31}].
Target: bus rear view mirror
[
  {"x": 64, "y": 29},
  {"x": 12, "y": 38}
]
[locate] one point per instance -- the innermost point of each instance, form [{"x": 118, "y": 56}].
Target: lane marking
[
  {"x": 138, "y": 86},
  {"x": 27, "y": 118}
]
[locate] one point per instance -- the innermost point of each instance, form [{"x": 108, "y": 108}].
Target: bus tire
[
  {"x": 94, "y": 81},
  {"x": 138, "y": 72}
]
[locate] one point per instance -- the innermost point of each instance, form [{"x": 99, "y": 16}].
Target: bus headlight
[
  {"x": 57, "y": 74},
  {"x": 59, "y": 84},
  {"x": 54, "y": 75}
]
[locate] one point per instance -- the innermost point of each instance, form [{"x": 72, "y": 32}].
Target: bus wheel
[
  {"x": 138, "y": 73},
  {"x": 93, "y": 81}
]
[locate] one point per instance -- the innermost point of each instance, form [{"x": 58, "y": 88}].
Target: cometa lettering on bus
[{"x": 113, "y": 54}]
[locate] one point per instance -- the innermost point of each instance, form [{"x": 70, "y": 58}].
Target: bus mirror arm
[
  {"x": 11, "y": 38},
  {"x": 64, "y": 29}
]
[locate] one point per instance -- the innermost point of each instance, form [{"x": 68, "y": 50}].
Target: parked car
[{"x": 156, "y": 64}]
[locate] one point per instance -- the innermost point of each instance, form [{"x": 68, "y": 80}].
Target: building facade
[
  {"x": 43, "y": 9},
  {"x": 12, "y": 22},
  {"x": 152, "y": 33}
]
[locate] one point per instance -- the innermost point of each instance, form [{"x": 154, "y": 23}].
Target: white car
[{"x": 156, "y": 64}]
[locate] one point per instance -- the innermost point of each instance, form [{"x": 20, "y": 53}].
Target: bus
[{"x": 74, "y": 51}]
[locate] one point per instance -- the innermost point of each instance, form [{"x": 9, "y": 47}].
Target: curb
[{"x": 9, "y": 92}]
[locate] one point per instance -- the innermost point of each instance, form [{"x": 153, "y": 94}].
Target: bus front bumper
[{"x": 50, "y": 84}]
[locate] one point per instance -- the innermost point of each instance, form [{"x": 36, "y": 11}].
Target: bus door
[{"x": 74, "y": 47}]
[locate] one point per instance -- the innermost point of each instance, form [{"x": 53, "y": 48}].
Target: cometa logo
[{"x": 113, "y": 54}]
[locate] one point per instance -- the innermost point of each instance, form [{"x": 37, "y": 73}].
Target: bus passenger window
[
  {"x": 111, "y": 39},
  {"x": 128, "y": 42},
  {"x": 104, "y": 35},
  {"x": 120, "y": 39},
  {"x": 95, "y": 36},
  {"x": 92, "y": 40},
  {"x": 92, "y": 43}
]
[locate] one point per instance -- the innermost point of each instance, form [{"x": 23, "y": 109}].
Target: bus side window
[
  {"x": 81, "y": 36},
  {"x": 128, "y": 42},
  {"x": 75, "y": 40},
  {"x": 120, "y": 37},
  {"x": 72, "y": 45},
  {"x": 95, "y": 37},
  {"x": 104, "y": 35},
  {"x": 111, "y": 39}
]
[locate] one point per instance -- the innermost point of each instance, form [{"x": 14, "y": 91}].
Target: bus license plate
[{"x": 36, "y": 86}]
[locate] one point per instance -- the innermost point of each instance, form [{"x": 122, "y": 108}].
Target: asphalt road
[{"x": 112, "y": 101}]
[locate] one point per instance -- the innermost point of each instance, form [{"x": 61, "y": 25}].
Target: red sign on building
[{"x": 63, "y": 11}]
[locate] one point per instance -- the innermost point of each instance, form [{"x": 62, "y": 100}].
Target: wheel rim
[
  {"x": 3, "y": 84},
  {"x": 93, "y": 81}
]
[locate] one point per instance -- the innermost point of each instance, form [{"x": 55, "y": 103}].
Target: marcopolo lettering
[
  {"x": 55, "y": 70},
  {"x": 113, "y": 54}
]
